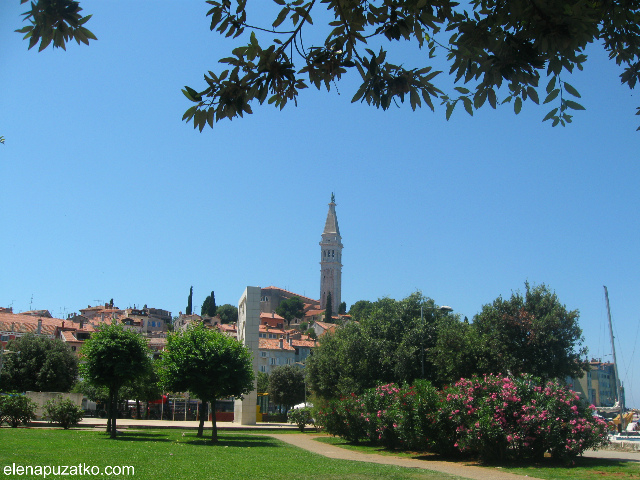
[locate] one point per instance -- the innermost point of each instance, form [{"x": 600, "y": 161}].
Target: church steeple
[{"x": 331, "y": 260}]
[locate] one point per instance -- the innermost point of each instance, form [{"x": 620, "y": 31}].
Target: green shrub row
[{"x": 493, "y": 417}]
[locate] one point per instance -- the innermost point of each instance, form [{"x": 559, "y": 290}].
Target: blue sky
[{"x": 105, "y": 192}]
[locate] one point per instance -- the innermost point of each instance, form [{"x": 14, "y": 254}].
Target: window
[
  {"x": 273, "y": 361},
  {"x": 263, "y": 368},
  {"x": 263, "y": 354},
  {"x": 272, "y": 335}
]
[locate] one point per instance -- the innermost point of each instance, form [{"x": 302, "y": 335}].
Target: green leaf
[
  {"x": 571, "y": 90},
  {"x": 450, "y": 107},
  {"x": 574, "y": 105},
  {"x": 468, "y": 105},
  {"x": 462, "y": 90},
  {"x": 282, "y": 16},
  {"x": 517, "y": 105},
  {"x": 551, "y": 96},
  {"x": 551, "y": 85},
  {"x": 550, "y": 115}
]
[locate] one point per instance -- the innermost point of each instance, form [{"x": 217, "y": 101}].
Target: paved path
[{"x": 458, "y": 469}]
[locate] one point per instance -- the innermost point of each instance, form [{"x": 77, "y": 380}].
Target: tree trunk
[
  {"x": 203, "y": 417},
  {"x": 109, "y": 413},
  {"x": 137, "y": 409},
  {"x": 214, "y": 429},
  {"x": 114, "y": 401}
]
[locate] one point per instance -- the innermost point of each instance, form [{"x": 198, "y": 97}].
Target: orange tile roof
[
  {"x": 304, "y": 343},
  {"x": 272, "y": 344}
]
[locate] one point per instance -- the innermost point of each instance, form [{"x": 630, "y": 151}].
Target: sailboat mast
[{"x": 615, "y": 361}]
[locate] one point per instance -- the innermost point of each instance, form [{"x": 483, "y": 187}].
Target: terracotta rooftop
[{"x": 272, "y": 344}]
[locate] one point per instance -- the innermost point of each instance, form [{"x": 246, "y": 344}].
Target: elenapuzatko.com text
[{"x": 45, "y": 471}]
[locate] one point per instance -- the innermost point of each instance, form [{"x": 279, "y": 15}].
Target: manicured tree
[
  {"x": 342, "y": 309},
  {"x": 287, "y": 385},
  {"x": 43, "y": 365},
  {"x": 208, "y": 364},
  {"x": 114, "y": 357},
  {"x": 189, "y": 309}
]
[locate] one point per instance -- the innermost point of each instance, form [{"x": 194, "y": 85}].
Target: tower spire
[{"x": 331, "y": 260}]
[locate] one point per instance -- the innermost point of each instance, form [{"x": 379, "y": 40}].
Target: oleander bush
[
  {"x": 63, "y": 411},
  {"x": 16, "y": 409},
  {"x": 494, "y": 417}
]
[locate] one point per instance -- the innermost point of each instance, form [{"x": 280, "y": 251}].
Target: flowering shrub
[
  {"x": 498, "y": 417},
  {"x": 344, "y": 418},
  {"x": 494, "y": 417}
]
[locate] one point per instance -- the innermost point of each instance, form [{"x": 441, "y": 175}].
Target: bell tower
[{"x": 331, "y": 260}]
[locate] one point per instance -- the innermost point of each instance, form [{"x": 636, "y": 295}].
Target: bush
[
  {"x": 344, "y": 418},
  {"x": 16, "y": 409},
  {"x": 65, "y": 412},
  {"x": 499, "y": 418},
  {"x": 301, "y": 417},
  {"x": 495, "y": 418}
]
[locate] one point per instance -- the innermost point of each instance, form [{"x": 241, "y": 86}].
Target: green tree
[
  {"x": 458, "y": 352},
  {"x": 360, "y": 310},
  {"x": 287, "y": 385},
  {"x": 43, "y": 365},
  {"x": 509, "y": 52},
  {"x": 144, "y": 388},
  {"x": 263, "y": 382},
  {"x": 189, "y": 309},
  {"x": 208, "y": 364},
  {"x": 114, "y": 357},
  {"x": 386, "y": 346},
  {"x": 328, "y": 311},
  {"x": 209, "y": 306},
  {"x": 502, "y": 52},
  {"x": 290, "y": 309},
  {"x": 55, "y": 20},
  {"x": 533, "y": 334},
  {"x": 342, "y": 309},
  {"x": 227, "y": 313}
]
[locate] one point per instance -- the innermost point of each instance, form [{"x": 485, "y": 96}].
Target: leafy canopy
[
  {"x": 115, "y": 356},
  {"x": 496, "y": 52},
  {"x": 291, "y": 308},
  {"x": 55, "y": 20},
  {"x": 287, "y": 385},
  {"x": 207, "y": 363},
  {"x": 43, "y": 365}
]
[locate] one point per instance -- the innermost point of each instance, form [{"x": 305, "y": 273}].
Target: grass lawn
[
  {"x": 167, "y": 454},
  {"x": 584, "y": 468}
]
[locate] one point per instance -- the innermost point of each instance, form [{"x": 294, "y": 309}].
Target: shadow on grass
[
  {"x": 236, "y": 441},
  {"x": 138, "y": 437}
]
